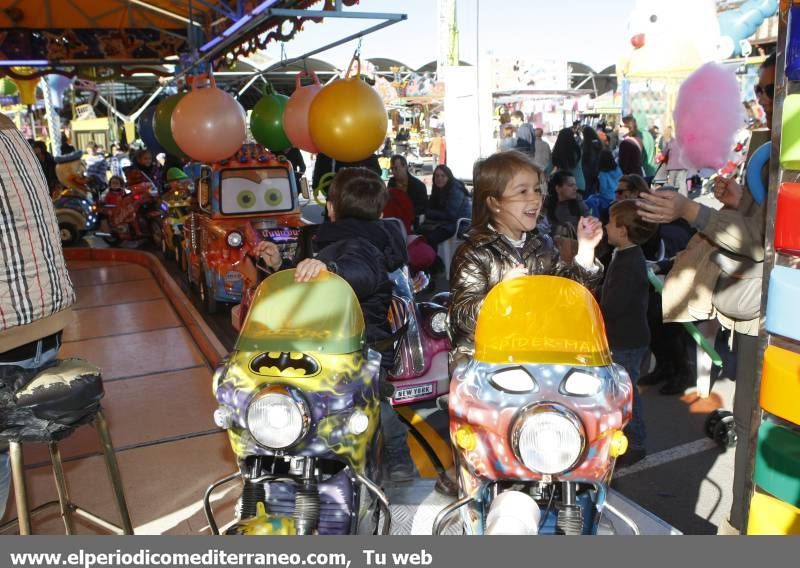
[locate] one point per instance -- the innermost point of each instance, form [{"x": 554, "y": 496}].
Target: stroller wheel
[
  {"x": 713, "y": 419},
  {"x": 725, "y": 432}
]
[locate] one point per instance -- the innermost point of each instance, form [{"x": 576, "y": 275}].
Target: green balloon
[
  {"x": 162, "y": 125},
  {"x": 266, "y": 122}
]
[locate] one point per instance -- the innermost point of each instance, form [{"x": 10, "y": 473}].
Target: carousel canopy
[{"x": 91, "y": 38}]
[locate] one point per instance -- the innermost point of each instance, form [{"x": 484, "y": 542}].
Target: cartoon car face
[
  {"x": 251, "y": 195},
  {"x": 254, "y": 191}
]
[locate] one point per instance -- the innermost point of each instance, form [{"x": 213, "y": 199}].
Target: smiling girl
[{"x": 504, "y": 243}]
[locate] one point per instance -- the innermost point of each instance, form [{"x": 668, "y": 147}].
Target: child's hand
[
  {"x": 309, "y": 269},
  {"x": 516, "y": 272},
  {"x": 269, "y": 253},
  {"x": 727, "y": 191},
  {"x": 590, "y": 232}
]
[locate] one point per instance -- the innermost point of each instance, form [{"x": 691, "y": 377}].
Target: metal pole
[
  {"x": 61, "y": 488},
  {"x": 20, "y": 491},
  {"x": 113, "y": 471},
  {"x": 53, "y": 120},
  {"x": 217, "y": 49},
  {"x": 478, "y": 73}
]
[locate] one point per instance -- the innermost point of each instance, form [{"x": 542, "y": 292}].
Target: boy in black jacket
[
  {"x": 624, "y": 301},
  {"x": 362, "y": 249}
]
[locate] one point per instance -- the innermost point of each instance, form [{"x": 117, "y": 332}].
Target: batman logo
[{"x": 284, "y": 364}]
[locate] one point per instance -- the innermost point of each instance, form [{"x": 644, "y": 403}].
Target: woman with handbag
[{"x": 737, "y": 233}]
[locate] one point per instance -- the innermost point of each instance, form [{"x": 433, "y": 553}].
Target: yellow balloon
[
  {"x": 26, "y": 87},
  {"x": 347, "y": 120}
]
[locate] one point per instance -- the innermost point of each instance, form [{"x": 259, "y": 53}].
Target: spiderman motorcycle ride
[{"x": 537, "y": 414}]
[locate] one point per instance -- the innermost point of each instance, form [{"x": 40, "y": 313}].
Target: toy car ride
[
  {"x": 176, "y": 204},
  {"x": 251, "y": 189}
]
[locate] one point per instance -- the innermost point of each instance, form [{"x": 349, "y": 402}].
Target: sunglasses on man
[{"x": 769, "y": 90}]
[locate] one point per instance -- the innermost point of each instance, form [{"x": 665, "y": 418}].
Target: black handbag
[{"x": 737, "y": 294}]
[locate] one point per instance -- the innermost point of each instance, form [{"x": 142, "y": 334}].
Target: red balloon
[
  {"x": 209, "y": 125},
  {"x": 295, "y": 115}
]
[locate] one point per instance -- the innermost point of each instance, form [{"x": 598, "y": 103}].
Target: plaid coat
[{"x": 35, "y": 288}]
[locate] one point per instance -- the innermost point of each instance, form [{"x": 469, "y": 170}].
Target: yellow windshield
[
  {"x": 322, "y": 315},
  {"x": 541, "y": 319}
]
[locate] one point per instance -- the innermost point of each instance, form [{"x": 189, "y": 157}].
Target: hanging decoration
[
  {"x": 208, "y": 124},
  {"x": 737, "y": 25},
  {"x": 25, "y": 87},
  {"x": 347, "y": 118},
  {"x": 145, "y": 127},
  {"x": 266, "y": 121},
  {"x": 295, "y": 115},
  {"x": 162, "y": 124}
]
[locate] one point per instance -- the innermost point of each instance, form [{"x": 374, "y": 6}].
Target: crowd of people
[
  {"x": 598, "y": 155},
  {"x": 101, "y": 167}
]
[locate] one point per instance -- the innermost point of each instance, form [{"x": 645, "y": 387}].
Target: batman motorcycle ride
[
  {"x": 537, "y": 414},
  {"x": 299, "y": 397},
  {"x": 419, "y": 329}
]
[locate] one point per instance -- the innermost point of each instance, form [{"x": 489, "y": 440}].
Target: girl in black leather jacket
[{"x": 504, "y": 242}]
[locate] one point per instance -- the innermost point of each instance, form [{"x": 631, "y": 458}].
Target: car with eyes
[{"x": 249, "y": 197}]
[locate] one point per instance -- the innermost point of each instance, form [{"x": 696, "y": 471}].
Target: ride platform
[{"x": 157, "y": 354}]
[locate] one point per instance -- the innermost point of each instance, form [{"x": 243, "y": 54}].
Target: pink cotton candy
[{"x": 708, "y": 114}]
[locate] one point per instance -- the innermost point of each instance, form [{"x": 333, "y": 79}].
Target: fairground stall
[{"x": 231, "y": 402}]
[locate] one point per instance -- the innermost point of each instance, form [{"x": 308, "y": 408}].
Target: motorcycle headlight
[
  {"x": 548, "y": 439},
  {"x": 439, "y": 323},
  {"x": 235, "y": 239},
  {"x": 581, "y": 383},
  {"x": 276, "y": 420},
  {"x": 358, "y": 423},
  {"x": 434, "y": 318},
  {"x": 513, "y": 380}
]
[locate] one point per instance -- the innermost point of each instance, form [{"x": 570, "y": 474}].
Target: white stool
[{"x": 448, "y": 248}]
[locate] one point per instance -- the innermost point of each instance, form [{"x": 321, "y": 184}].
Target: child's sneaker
[
  {"x": 403, "y": 471},
  {"x": 399, "y": 465}
]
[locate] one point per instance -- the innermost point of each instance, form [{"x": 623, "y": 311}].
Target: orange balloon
[
  {"x": 208, "y": 125},
  {"x": 347, "y": 120}
]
